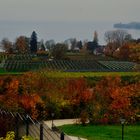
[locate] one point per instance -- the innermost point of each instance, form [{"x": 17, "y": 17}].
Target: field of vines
[{"x": 27, "y": 62}]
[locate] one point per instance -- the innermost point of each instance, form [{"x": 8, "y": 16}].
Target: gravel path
[{"x": 63, "y": 122}]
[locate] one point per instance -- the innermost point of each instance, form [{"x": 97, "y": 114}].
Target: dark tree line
[
  {"x": 22, "y": 44},
  {"x": 118, "y": 42}
]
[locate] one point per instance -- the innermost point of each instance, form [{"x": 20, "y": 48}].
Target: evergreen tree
[{"x": 33, "y": 42}]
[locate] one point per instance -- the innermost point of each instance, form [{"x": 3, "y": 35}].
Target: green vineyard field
[{"x": 26, "y": 62}]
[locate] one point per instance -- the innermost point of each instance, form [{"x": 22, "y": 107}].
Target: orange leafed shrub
[
  {"x": 112, "y": 100},
  {"x": 78, "y": 91},
  {"x": 29, "y": 101},
  {"x": 9, "y": 92},
  {"x": 105, "y": 101}
]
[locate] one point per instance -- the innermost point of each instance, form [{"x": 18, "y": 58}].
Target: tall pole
[
  {"x": 52, "y": 119},
  {"x": 27, "y": 125},
  {"x": 122, "y": 131},
  {"x": 52, "y": 123},
  {"x": 122, "y": 122}
]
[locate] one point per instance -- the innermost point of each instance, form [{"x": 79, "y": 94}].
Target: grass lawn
[
  {"x": 103, "y": 132},
  {"x": 3, "y": 72},
  {"x": 60, "y": 74},
  {"x": 89, "y": 74}
]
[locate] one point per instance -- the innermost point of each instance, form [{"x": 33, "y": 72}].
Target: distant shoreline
[{"x": 131, "y": 25}]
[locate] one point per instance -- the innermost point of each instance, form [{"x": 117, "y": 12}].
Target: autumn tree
[
  {"x": 134, "y": 54},
  {"x": 112, "y": 100},
  {"x": 9, "y": 93},
  {"x": 101, "y": 99},
  {"x": 129, "y": 51},
  {"x": 29, "y": 103},
  {"x": 59, "y": 51},
  {"x": 49, "y": 90},
  {"x": 16, "y": 95},
  {"x": 122, "y": 52},
  {"x": 121, "y": 104},
  {"x": 79, "y": 95},
  {"x": 135, "y": 99},
  {"x": 22, "y": 45}
]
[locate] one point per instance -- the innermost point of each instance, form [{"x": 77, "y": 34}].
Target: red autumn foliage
[
  {"x": 29, "y": 102},
  {"x": 112, "y": 100},
  {"x": 78, "y": 91},
  {"x": 9, "y": 93},
  {"x": 105, "y": 102}
]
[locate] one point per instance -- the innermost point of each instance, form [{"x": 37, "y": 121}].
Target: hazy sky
[
  {"x": 70, "y": 10},
  {"x": 62, "y": 19}
]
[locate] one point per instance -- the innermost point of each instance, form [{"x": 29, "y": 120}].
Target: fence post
[
  {"x": 62, "y": 136},
  {"x": 27, "y": 125},
  {"x": 41, "y": 131},
  {"x": 17, "y": 126}
]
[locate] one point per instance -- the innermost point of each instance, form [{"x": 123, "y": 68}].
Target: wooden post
[{"x": 17, "y": 127}]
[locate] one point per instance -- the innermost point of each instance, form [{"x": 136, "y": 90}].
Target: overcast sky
[
  {"x": 62, "y": 19},
  {"x": 70, "y": 10}
]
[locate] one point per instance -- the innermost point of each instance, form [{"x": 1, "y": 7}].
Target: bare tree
[
  {"x": 42, "y": 46},
  {"x": 7, "y": 45},
  {"x": 117, "y": 37},
  {"x": 50, "y": 44},
  {"x": 71, "y": 43}
]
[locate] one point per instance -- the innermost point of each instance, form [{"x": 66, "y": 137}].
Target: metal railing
[
  {"x": 25, "y": 125},
  {"x": 61, "y": 134}
]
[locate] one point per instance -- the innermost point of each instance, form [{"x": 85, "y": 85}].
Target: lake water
[{"x": 59, "y": 31}]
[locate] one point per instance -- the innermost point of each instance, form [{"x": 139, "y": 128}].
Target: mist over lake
[{"x": 59, "y": 31}]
